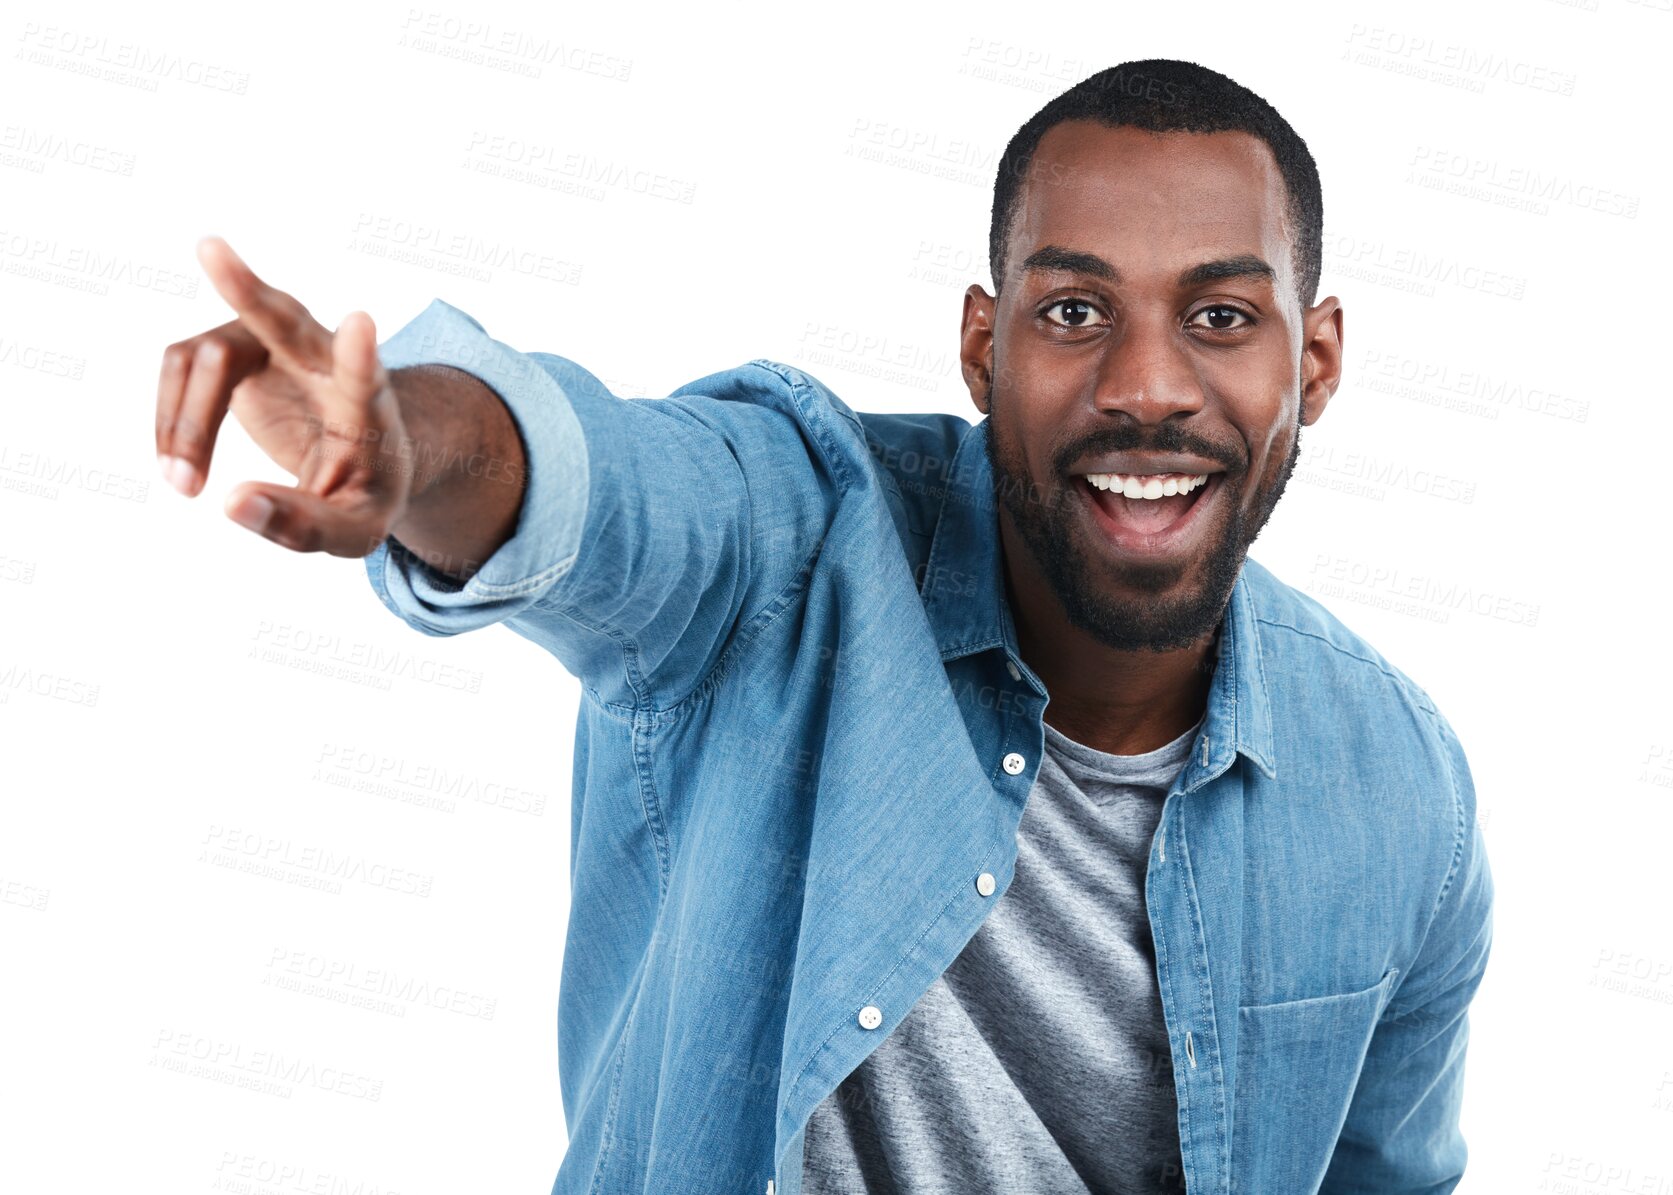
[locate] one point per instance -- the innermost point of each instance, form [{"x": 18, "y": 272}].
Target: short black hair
[{"x": 1167, "y": 95}]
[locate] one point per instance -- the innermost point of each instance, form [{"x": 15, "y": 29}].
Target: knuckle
[
  {"x": 212, "y": 353},
  {"x": 176, "y": 355},
  {"x": 300, "y": 535},
  {"x": 281, "y": 529},
  {"x": 190, "y": 436},
  {"x": 281, "y": 303}
]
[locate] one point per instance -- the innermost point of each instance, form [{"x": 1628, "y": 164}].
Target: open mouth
[{"x": 1150, "y": 526}]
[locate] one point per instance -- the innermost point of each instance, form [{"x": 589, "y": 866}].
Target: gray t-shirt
[{"x": 1039, "y": 1060}]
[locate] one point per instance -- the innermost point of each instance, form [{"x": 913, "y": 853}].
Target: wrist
[{"x": 430, "y": 425}]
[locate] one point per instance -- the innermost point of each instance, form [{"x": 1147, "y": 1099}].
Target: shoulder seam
[
  {"x": 800, "y": 384},
  {"x": 1405, "y": 684}
]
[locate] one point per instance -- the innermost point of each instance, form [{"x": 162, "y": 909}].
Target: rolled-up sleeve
[
  {"x": 649, "y": 527},
  {"x": 554, "y": 509}
]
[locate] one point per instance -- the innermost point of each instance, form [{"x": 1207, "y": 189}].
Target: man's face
[{"x": 1149, "y": 374}]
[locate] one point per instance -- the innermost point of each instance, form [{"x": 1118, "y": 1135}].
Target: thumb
[{"x": 303, "y": 522}]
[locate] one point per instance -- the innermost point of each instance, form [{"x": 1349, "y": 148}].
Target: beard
[{"x": 1154, "y": 608}]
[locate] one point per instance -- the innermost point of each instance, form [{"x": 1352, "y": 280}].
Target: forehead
[{"x": 1151, "y": 203}]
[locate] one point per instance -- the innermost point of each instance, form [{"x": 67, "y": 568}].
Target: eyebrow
[{"x": 1055, "y": 258}]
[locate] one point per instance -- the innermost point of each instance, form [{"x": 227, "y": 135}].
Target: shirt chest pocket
[{"x": 1297, "y": 1065}]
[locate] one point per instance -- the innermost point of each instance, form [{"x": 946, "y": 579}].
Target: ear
[
  {"x": 976, "y": 343},
  {"x": 1321, "y": 357}
]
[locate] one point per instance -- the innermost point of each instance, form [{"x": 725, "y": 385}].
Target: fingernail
[
  {"x": 253, "y": 511},
  {"x": 180, "y": 474}
]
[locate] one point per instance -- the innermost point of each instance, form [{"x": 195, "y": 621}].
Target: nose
[{"x": 1146, "y": 372}]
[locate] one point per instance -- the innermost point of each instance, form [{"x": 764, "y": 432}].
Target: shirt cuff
[{"x": 548, "y": 533}]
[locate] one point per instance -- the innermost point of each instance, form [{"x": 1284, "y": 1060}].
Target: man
[{"x": 956, "y": 808}]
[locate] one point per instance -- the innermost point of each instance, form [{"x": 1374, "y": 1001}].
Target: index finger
[{"x": 282, "y": 324}]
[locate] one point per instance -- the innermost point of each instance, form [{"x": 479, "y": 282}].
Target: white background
[{"x": 1483, "y": 501}]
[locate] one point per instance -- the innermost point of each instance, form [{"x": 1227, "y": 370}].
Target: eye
[
  {"x": 1082, "y": 309},
  {"x": 1220, "y": 311}
]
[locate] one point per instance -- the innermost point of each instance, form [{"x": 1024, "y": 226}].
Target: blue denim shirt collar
[{"x": 964, "y": 598}]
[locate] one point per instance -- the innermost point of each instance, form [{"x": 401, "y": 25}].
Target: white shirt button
[
  {"x": 870, "y": 1017},
  {"x": 1014, "y": 763},
  {"x": 1011, "y": 666},
  {"x": 984, "y": 883}
]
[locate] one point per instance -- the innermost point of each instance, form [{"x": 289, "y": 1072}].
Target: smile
[{"x": 1153, "y": 517}]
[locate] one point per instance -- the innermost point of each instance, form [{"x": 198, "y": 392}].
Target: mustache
[{"x": 1166, "y": 437}]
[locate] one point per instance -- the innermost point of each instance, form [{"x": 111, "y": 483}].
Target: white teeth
[{"x": 1155, "y": 485}]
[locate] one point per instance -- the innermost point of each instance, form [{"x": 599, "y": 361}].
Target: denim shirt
[{"x": 804, "y": 745}]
